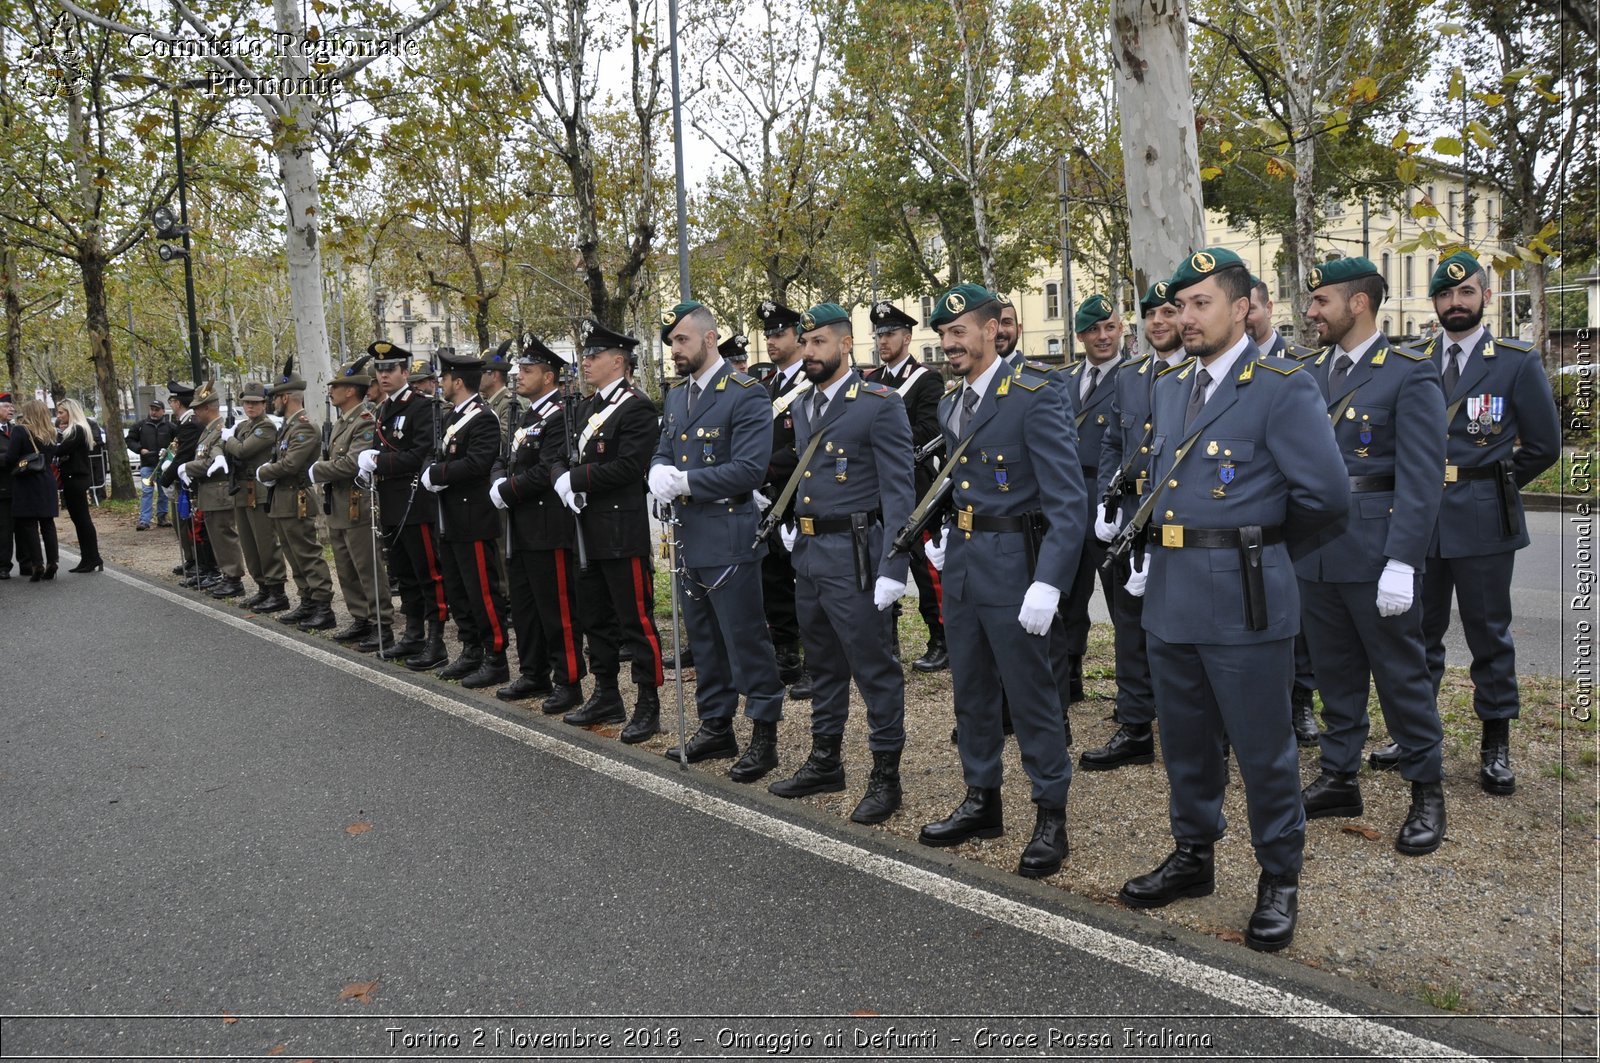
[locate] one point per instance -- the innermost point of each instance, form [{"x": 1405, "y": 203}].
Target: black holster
[
  {"x": 1506, "y": 487},
  {"x": 327, "y": 500},
  {"x": 1254, "y": 580},
  {"x": 861, "y": 548},
  {"x": 1032, "y": 539}
]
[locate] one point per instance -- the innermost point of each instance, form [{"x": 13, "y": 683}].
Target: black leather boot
[
  {"x": 937, "y": 659},
  {"x": 604, "y": 706},
  {"x": 464, "y": 665},
  {"x": 713, "y": 741},
  {"x": 1423, "y": 830},
  {"x": 525, "y": 686},
  {"x": 1047, "y": 848},
  {"x": 227, "y": 587},
  {"x": 262, "y": 594},
  {"x": 1496, "y": 777},
  {"x": 492, "y": 671},
  {"x": 1385, "y": 758},
  {"x": 354, "y": 631},
  {"x": 300, "y": 612},
  {"x": 1277, "y": 908},
  {"x": 275, "y": 602},
  {"x": 563, "y": 698},
  {"x": 760, "y": 756},
  {"x": 321, "y": 618},
  {"x": 1188, "y": 871},
  {"x": 790, "y": 663},
  {"x": 1132, "y": 743},
  {"x": 432, "y": 653},
  {"x": 822, "y": 773},
  {"x": 882, "y": 798},
  {"x": 408, "y": 644},
  {"x": 1305, "y": 721},
  {"x": 646, "y": 722},
  {"x": 801, "y": 689},
  {"x": 685, "y": 659},
  {"x": 1333, "y": 793},
  {"x": 977, "y": 816},
  {"x": 378, "y": 636}
]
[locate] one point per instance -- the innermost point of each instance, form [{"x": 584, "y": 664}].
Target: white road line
[{"x": 1356, "y": 1031}]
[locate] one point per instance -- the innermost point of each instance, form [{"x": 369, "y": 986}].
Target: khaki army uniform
[
  {"x": 348, "y": 505},
  {"x": 251, "y": 445},
  {"x": 211, "y": 498},
  {"x": 294, "y": 506}
]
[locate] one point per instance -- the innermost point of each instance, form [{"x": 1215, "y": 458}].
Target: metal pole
[
  {"x": 188, "y": 258},
  {"x": 1366, "y": 234},
  {"x": 677, "y": 155},
  {"x": 1070, "y": 341}
]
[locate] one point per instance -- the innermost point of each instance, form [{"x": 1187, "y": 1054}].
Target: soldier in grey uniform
[
  {"x": 855, "y": 483},
  {"x": 1244, "y": 462},
  {"x": 293, "y": 506},
  {"x": 1009, "y": 557},
  {"x": 246, "y": 446},
  {"x": 207, "y": 476},
  {"x": 347, "y": 501},
  {"x": 716, "y": 441},
  {"x": 1358, "y": 588},
  {"x": 1502, "y": 431}
]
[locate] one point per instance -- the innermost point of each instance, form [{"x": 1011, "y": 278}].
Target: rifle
[
  {"x": 928, "y": 450},
  {"x": 1119, "y": 485},
  {"x": 327, "y": 450},
  {"x": 233, "y": 473},
  {"x": 574, "y": 459},
  {"x": 933, "y": 507}
]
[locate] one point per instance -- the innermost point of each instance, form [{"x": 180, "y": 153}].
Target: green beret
[
  {"x": 675, "y": 315},
  {"x": 1091, "y": 312},
  {"x": 823, "y": 314},
  {"x": 1154, "y": 297},
  {"x": 959, "y": 300},
  {"x": 1454, "y": 270},
  {"x": 1206, "y": 262},
  {"x": 1340, "y": 270}
]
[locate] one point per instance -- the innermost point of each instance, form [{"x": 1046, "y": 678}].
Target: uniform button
[
  {"x": 965, "y": 485},
  {"x": 806, "y": 499},
  {"x": 684, "y": 436},
  {"x": 969, "y": 535},
  {"x": 1172, "y": 483},
  {"x": 1169, "y": 514},
  {"x": 963, "y": 459},
  {"x": 808, "y": 474},
  {"x": 1144, "y": 450}
]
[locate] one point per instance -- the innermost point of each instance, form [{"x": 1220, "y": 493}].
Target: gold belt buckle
[
  {"x": 1452, "y": 473},
  {"x": 1172, "y": 535},
  {"x": 964, "y": 520},
  {"x": 1138, "y": 485},
  {"x": 808, "y": 526}
]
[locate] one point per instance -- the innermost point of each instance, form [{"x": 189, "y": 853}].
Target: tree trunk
[
  {"x": 13, "y": 302},
  {"x": 1539, "y": 312},
  {"x": 105, "y": 369},
  {"x": 1150, "y": 47}
]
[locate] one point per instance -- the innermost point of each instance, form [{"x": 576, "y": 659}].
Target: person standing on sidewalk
[
  {"x": 148, "y": 439},
  {"x": 293, "y": 507}
]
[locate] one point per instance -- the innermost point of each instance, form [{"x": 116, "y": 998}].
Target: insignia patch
[
  {"x": 956, "y": 302},
  {"x": 1314, "y": 280},
  {"x": 1161, "y": 289},
  {"x": 807, "y": 322},
  {"x": 1456, "y": 271},
  {"x": 1202, "y": 262}
]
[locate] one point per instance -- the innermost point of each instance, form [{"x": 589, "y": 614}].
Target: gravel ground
[{"x": 1499, "y": 922}]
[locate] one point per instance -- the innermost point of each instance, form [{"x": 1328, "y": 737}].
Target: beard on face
[
  {"x": 1460, "y": 319},
  {"x": 819, "y": 367}
]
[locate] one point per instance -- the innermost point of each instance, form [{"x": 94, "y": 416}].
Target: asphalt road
[{"x": 179, "y": 784}]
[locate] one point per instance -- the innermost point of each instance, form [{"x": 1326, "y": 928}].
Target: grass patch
[
  {"x": 1560, "y": 771},
  {"x": 1557, "y": 479},
  {"x": 1445, "y": 999}
]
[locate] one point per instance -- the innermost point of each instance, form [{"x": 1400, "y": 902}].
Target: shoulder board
[
  {"x": 1027, "y": 383},
  {"x": 1511, "y": 344},
  {"x": 871, "y": 388},
  {"x": 1281, "y": 368},
  {"x": 1041, "y": 367},
  {"x": 740, "y": 379},
  {"x": 1322, "y": 356},
  {"x": 1164, "y": 370},
  {"x": 366, "y": 415},
  {"x": 1406, "y": 352},
  {"x": 1379, "y": 357}
]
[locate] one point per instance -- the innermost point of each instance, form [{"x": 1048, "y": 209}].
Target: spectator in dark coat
[{"x": 33, "y": 494}]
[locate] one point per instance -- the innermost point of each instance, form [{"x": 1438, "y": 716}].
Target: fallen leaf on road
[
  {"x": 1361, "y": 829},
  {"x": 359, "y": 991},
  {"x": 229, "y": 1019},
  {"x": 604, "y": 731},
  {"x": 358, "y": 828},
  {"x": 862, "y": 1013},
  {"x": 276, "y": 1049},
  {"x": 1232, "y": 937}
]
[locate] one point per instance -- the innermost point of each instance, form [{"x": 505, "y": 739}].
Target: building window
[
  {"x": 1283, "y": 282},
  {"x": 927, "y": 353},
  {"x": 1431, "y": 197},
  {"x": 1451, "y": 214},
  {"x": 1432, "y": 264},
  {"x": 1411, "y": 326},
  {"x": 1386, "y": 323},
  {"x": 1410, "y": 287},
  {"x": 1052, "y": 300},
  {"x": 408, "y": 336},
  {"x": 433, "y": 306},
  {"x": 406, "y": 312},
  {"x": 927, "y": 309},
  {"x": 1052, "y": 347},
  {"x": 436, "y": 335},
  {"x": 1387, "y": 279}
]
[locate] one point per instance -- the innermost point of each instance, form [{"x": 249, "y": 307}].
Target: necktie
[
  {"x": 694, "y": 395},
  {"x": 819, "y": 402},
  {"x": 969, "y": 403},
  {"x": 1090, "y": 384},
  {"x": 1452, "y": 368},
  {"x": 1341, "y": 370},
  {"x": 1197, "y": 398}
]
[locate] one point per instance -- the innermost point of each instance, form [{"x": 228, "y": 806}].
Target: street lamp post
[{"x": 168, "y": 227}]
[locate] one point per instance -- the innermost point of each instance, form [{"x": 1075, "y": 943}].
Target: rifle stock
[
  {"x": 911, "y": 534},
  {"x": 574, "y": 459}
]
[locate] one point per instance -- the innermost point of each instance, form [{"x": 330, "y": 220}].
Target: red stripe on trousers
[
  {"x": 645, "y": 625},
  {"x": 499, "y": 636},
  {"x": 938, "y": 584},
  {"x": 568, "y": 641},
  {"x": 433, "y": 569}
]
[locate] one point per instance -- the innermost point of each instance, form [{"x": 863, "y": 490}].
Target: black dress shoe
[
  {"x": 300, "y": 612},
  {"x": 354, "y": 631},
  {"x": 522, "y": 687},
  {"x": 1385, "y": 758},
  {"x": 276, "y": 601},
  {"x": 562, "y": 698},
  {"x": 1423, "y": 830},
  {"x": 1496, "y": 776},
  {"x": 1132, "y": 744},
  {"x": 1332, "y": 794},
  {"x": 180, "y": 568},
  {"x": 801, "y": 690},
  {"x": 1188, "y": 871},
  {"x": 604, "y": 706},
  {"x": 760, "y": 756},
  {"x": 321, "y": 618},
  {"x": 882, "y": 798},
  {"x": 937, "y": 659},
  {"x": 1271, "y": 925},
  {"x": 646, "y": 722},
  {"x": 255, "y": 599},
  {"x": 491, "y": 672},
  {"x": 1047, "y": 848},
  {"x": 464, "y": 665},
  {"x": 822, "y": 772},
  {"x": 977, "y": 816},
  {"x": 209, "y": 578},
  {"x": 226, "y": 588},
  {"x": 1305, "y": 721},
  {"x": 671, "y": 664},
  {"x": 380, "y": 637},
  {"x": 713, "y": 741}
]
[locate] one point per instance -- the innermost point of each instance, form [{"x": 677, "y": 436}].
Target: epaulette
[
  {"x": 366, "y": 415},
  {"x": 1322, "y": 355},
  {"x": 1281, "y": 369},
  {"x": 1175, "y": 365},
  {"x": 740, "y": 379},
  {"x": 1300, "y": 354},
  {"x": 1415, "y": 356},
  {"x": 1511, "y": 344},
  {"x": 1028, "y": 383},
  {"x": 1044, "y": 367},
  {"x": 873, "y": 388}
]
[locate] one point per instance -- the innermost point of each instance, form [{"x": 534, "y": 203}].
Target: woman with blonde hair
[
  {"x": 72, "y": 459},
  {"x": 33, "y": 489}
]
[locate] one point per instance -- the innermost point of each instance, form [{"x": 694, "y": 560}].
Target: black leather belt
[
  {"x": 1453, "y": 473},
  {"x": 1176, "y": 536},
  {"x": 1372, "y": 483},
  {"x": 969, "y": 521},
  {"x": 731, "y": 500},
  {"x": 830, "y": 525}
]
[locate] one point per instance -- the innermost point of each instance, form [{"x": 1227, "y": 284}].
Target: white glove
[
  {"x": 367, "y": 461},
  {"x": 227, "y": 432},
  {"x": 886, "y": 592},
  {"x": 494, "y": 494},
  {"x": 218, "y": 462},
  {"x": 577, "y": 501},
  {"x": 762, "y": 501},
  {"x": 788, "y": 535},
  {"x": 935, "y": 553},
  {"x": 1038, "y": 608},
  {"x": 1137, "y": 575},
  {"x": 1396, "y": 588},
  {"x": 427, "y": 481},
  {"x": 1105, "y": 529},
  {"x": 563, "y": 486},
  {"x": 183, "y": 474},
  {"x": 661, "y": 482},
  {"x": 261, "y": 479},
  {"x": 311, "y": 474}
]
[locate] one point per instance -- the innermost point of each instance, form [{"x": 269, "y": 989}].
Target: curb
[{"x": 1544, "y": 502}]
